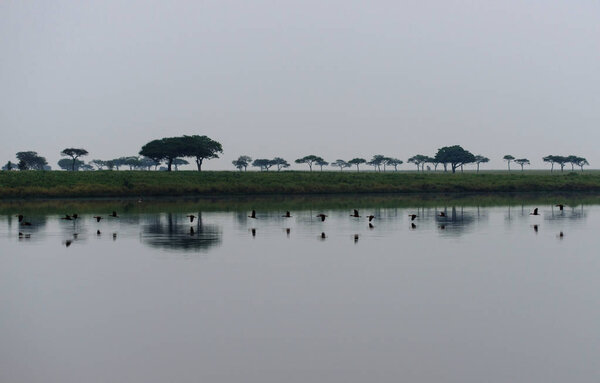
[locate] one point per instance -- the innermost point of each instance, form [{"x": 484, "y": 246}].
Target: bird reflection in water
[
  {"x": 323, "y": 236},
  {"x": 287, "y": 232},
  {"x": 253, "y": 231},
  {"x": 114, "y": 236},
  {"x": 173, "y": 232},
  {"x": 355, "y": 238}
]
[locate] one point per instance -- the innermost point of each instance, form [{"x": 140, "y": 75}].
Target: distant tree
[
  {"x": 74, "y": 153},
  {"x": 357, "y": 162},
  {"x": 341, "y": 164},
  {"x": 393, "y": 162},
  {"x": 200, "y": 148},
  {"x": 419, "y": 160},
  {"x": 9, "y": 166},
  {"x": 262, "y": 163},
  {"x": 581, "y": 162},
  {"x": 309, "y": 160},
  {"x": 455, "y": 156},
  {"x": 479, "y": 159},
  {"x": 280, "y": 163},
  {"x": 164, "y": 149},
  {"x": 522, "y": 162},
  {"x": 67, "y": 164},
  {"x": 148, "y": 163},
  {"x": 508, "y": 158},
  {"x": 242, "y": 162},
  {"x": 551, "y": 160},
  {"x": 179, "y": 161},
  {"x": 562, "y": 161},
  {"x": 110, "y": 164},
  {"x": 99, "y": 164},
  {"x": 431, "y": 160},
  {"x": 572, "y": 159},
  {"x": 321, "y": 162},
  {"x": 31, "y": 161},
  {"x": 377, "y": 161}
]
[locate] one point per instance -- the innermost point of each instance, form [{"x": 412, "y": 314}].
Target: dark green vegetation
[{"x": 187, "y": 183}]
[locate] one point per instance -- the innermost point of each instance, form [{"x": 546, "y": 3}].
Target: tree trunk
[
  {"x": 357, "y": 170},
  {"x": 310, "y": 166},
  {"x": 551, "y": 167},
  {"x": 509, "y": 166},
  {"x": 169, "y": 164},
  {"x": 445, "y": 167},
  {"x": 73, "y": 164},
  {"x": 199, "y": 163},
  {"x": 478, "y": 167}
]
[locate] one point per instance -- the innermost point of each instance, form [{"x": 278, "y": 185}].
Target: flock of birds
[{"x": 321, "y": 216}]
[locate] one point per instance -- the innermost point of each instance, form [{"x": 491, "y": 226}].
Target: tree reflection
[{"x": 172, "y": 232}]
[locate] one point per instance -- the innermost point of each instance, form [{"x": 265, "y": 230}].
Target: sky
[{"x": 338, "y": 79}]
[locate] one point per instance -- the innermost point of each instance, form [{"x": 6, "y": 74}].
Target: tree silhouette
[
  {"x": 454, "y": 155},
  {"x": 551, "y": 159},
  {"x": 74, "y": 153},
  {"x": 31, "y": 160},
  {"x": 176, "y": 163},
  {"x": 479, "y": 159},
  {"x": 357, "y": 162},
  {"x": 341, "y": 164},
  {"x": 393, "y": 162},
  {"x": 309, "y": 160},
  {"x": 9, "y": 166},
  {"x": 242, "y": 162},
  {"x": 581, "y": 162},
  {"x": 508, "y": 158},
  {"x": 67, "y": 164},
  {"x": 200, "y": 148},
  {"x": 262, "y": 163},
  {"x": 522, "y": 162},
  {"x": 419, "y": 160},
  {"x": 280, "y": 163},
  {"x": 321, "y": 162}
]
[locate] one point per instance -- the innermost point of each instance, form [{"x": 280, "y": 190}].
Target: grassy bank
[{"x": 55, "y": 184}]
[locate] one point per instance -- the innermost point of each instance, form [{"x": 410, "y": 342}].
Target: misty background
[{"x": 338, "y": 79}]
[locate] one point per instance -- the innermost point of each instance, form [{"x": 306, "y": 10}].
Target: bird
[
  {"x": 68, "y": 242},
  {"x": 561, "y": 235},
  {"x": 75, "y": 235},
  {"x": 323, "y": 236},
  {"x": 560, "y": 206},
  {"x": 355, "y": 238},
  {"x": 322, "y": 216},
  {"x": 287, "y": 231},
  {"x": 355, "y": 214},
  {"x": 114, "y": 236},
  {"x": 412, "y": 216},
  {"x": 98, "y": 218},
  {"x": 98, "y": 232},
  {"x": 442, "y": 214},
  {"x": 535, "y": 212},
  {"x": 67, "y": 217},
  {"x": 75, "y": 216},
  {"x": 442, "y": 227},
  {"x": 113, "y": 214},
  {"x": 287, "y": 215},
  {"x": 191, "y": 217},
  {"x": 253, "y": 214},
  {"x": 370, "y": 217},
  {"x": 20, "y": 216}
]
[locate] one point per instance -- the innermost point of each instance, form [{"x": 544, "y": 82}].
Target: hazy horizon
[{"x": 340, "y": 79}]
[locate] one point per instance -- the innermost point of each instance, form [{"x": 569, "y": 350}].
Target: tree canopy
[
  {"x": 168, "y": 149},
  {"x": 309, "y": 160},
  {"x": 242, "y": 162},
  {"x": 357, "y": 162},
  {"x": 455, "y": 156},
  {"x": 74, "y": 153},
  {"x": 31, "y": 161},
  {"x": 341, "y": 164}
]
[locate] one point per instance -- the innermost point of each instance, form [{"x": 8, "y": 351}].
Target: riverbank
[{"x": 122, "y": 184}]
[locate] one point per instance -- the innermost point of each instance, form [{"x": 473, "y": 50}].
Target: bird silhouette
[
  {"x": 323, "y": 236},
  {"x": 560, "y": 206},
  {"x": 20, "y": 217},
  {"x": 287, "y": 231},
  {"x": 561, "y": 235},
  {"x": 98, "y": 218},
  {"x": 355, "y": 214},
  {"x": 113, "y": 214},
  {"x": 370, "y": 217},
  {"x": 75, "y": 216},
  {"x": 191, "y": 217},
  {"x": 287, "y": 215},
  {"x": 412, "y": 216},
  {"x": 98, "y": 232},
  {"x": 114, "y": 236},
  {"x": 68, "y": 242},
  {"x": 535, "y": 212},
  {"x": 442, "y": 214},
  {"x": 252, "y": 214},
  {"x": 67, "y": 217},
  {"x": 355, "y": 238},
  {"x": 442, "y": 227},
  {"x": 322, "y": 216},
  {"x": 26, "y": 236}
]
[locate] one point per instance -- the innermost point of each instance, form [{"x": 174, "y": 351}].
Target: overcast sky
[{"x": 338, "y": 79}]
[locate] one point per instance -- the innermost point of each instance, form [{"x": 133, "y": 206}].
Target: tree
[
  {"x": 262, "y": 163},
  {"x": 573, "y": 161},
  {"x": 454, "y": 155},
  {"x": 31, "y": 160},
  {"x": 341, "y": 164},
  {"x": 74, "y": 153},
  {"x": 309, "y": 160},
  {"x": 419, "y": 160},
  {"x": 508, "y": 158},
  {"x": 522, "y": 162},
  {"x": 9, "y": 166},
  {"x": 99, "y": 164},
  {"x": 280, "y": 163},
  {"x": 179, "y": 161},
  {"x": 551, "y": 159},
  {"x": 242, "y": 162},
  {"x": 581, "y": 162},
  {"x": 148, "y": 163},
  {"x": 431, "y": 160},
  {"x": 377, "y": 161},
  {"x": 393, "y": 162},
  {"x": 164, "y": 149},
  {"x": 562, "y": 161},
  {"x": 479, "y": 159},
  {"x": 67, "y": 164},
  {"x": 321, "y": 162},
  {"x": 357, "y": 162},
  {"x": 201, "y": 148}
]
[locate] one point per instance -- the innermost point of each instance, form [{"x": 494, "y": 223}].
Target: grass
[{"x": 110, "y": 184}]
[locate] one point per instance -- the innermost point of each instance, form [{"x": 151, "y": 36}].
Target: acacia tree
[
  {"x": 551, "y": 159},
  {"x": 454, "y": 155},
  {"x": 573, "y": 160},
  {"x": 479, "y": 159},
  {"x": 179, "y": 161},
  {"x": 309, "y": 160},
  {"x": 99, "y": 164},
  {"x": 522, "y": 162},
  {"x": 9, "y": 166},
  {"x": 164, "y": 149},
  {"x": 67, "y": 164},
  {"x": 357, "y": 162},
  {"x": 201, "y": 148},
  {"x": 262, "y": 163},
  {"x": 508, "y": 158},
  {"x": 562, "y": 161},
  {"x": 393, "y": 162},
  {"x": 377, "y": 161},
  {"x": 242, "y": 162},
  {"x": 74, "y": 153},
  {"x": 341, "y": 164},
  {"x": 280, "y": 163},
  {"x": 581, "y": 162},
  {"x": 321, "y": 162},
  {"x": 30, "y": 160},
  {"x": 419, "y": 160}
]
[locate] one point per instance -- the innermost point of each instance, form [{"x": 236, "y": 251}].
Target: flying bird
[
  {"x": 114, "y": 214},
  {"x": 412, "y": 216},
  {"x": 370, "y": 217},
  {"x": 20, "y": 216},
  {"x": 355, "y": 214},
  {"x": 253, "y": 231},
  {"x": 253, "y": 214},
  {"x": 68, "y": 243},
  {"x": 191, "y": 217},
  {"x": 98, "y": 232},
  {"x": 287, "y": 215},
  {"x": 560, "y": 206},
  {"x": 535, "y": 212},
  {"x": 287, "y": 231},
  {"x": 322, "y": 216}
]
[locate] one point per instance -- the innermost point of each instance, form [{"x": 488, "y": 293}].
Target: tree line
[{"x": 172, "y": 151}]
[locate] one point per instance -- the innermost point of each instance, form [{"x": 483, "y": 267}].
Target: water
[{"x": 479, "y": 295}]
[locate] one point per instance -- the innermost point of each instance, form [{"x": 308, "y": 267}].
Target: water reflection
[{"x": 168, "y": 231}]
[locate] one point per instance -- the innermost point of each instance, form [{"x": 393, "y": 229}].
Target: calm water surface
[{"x": 477, "y": 296}]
